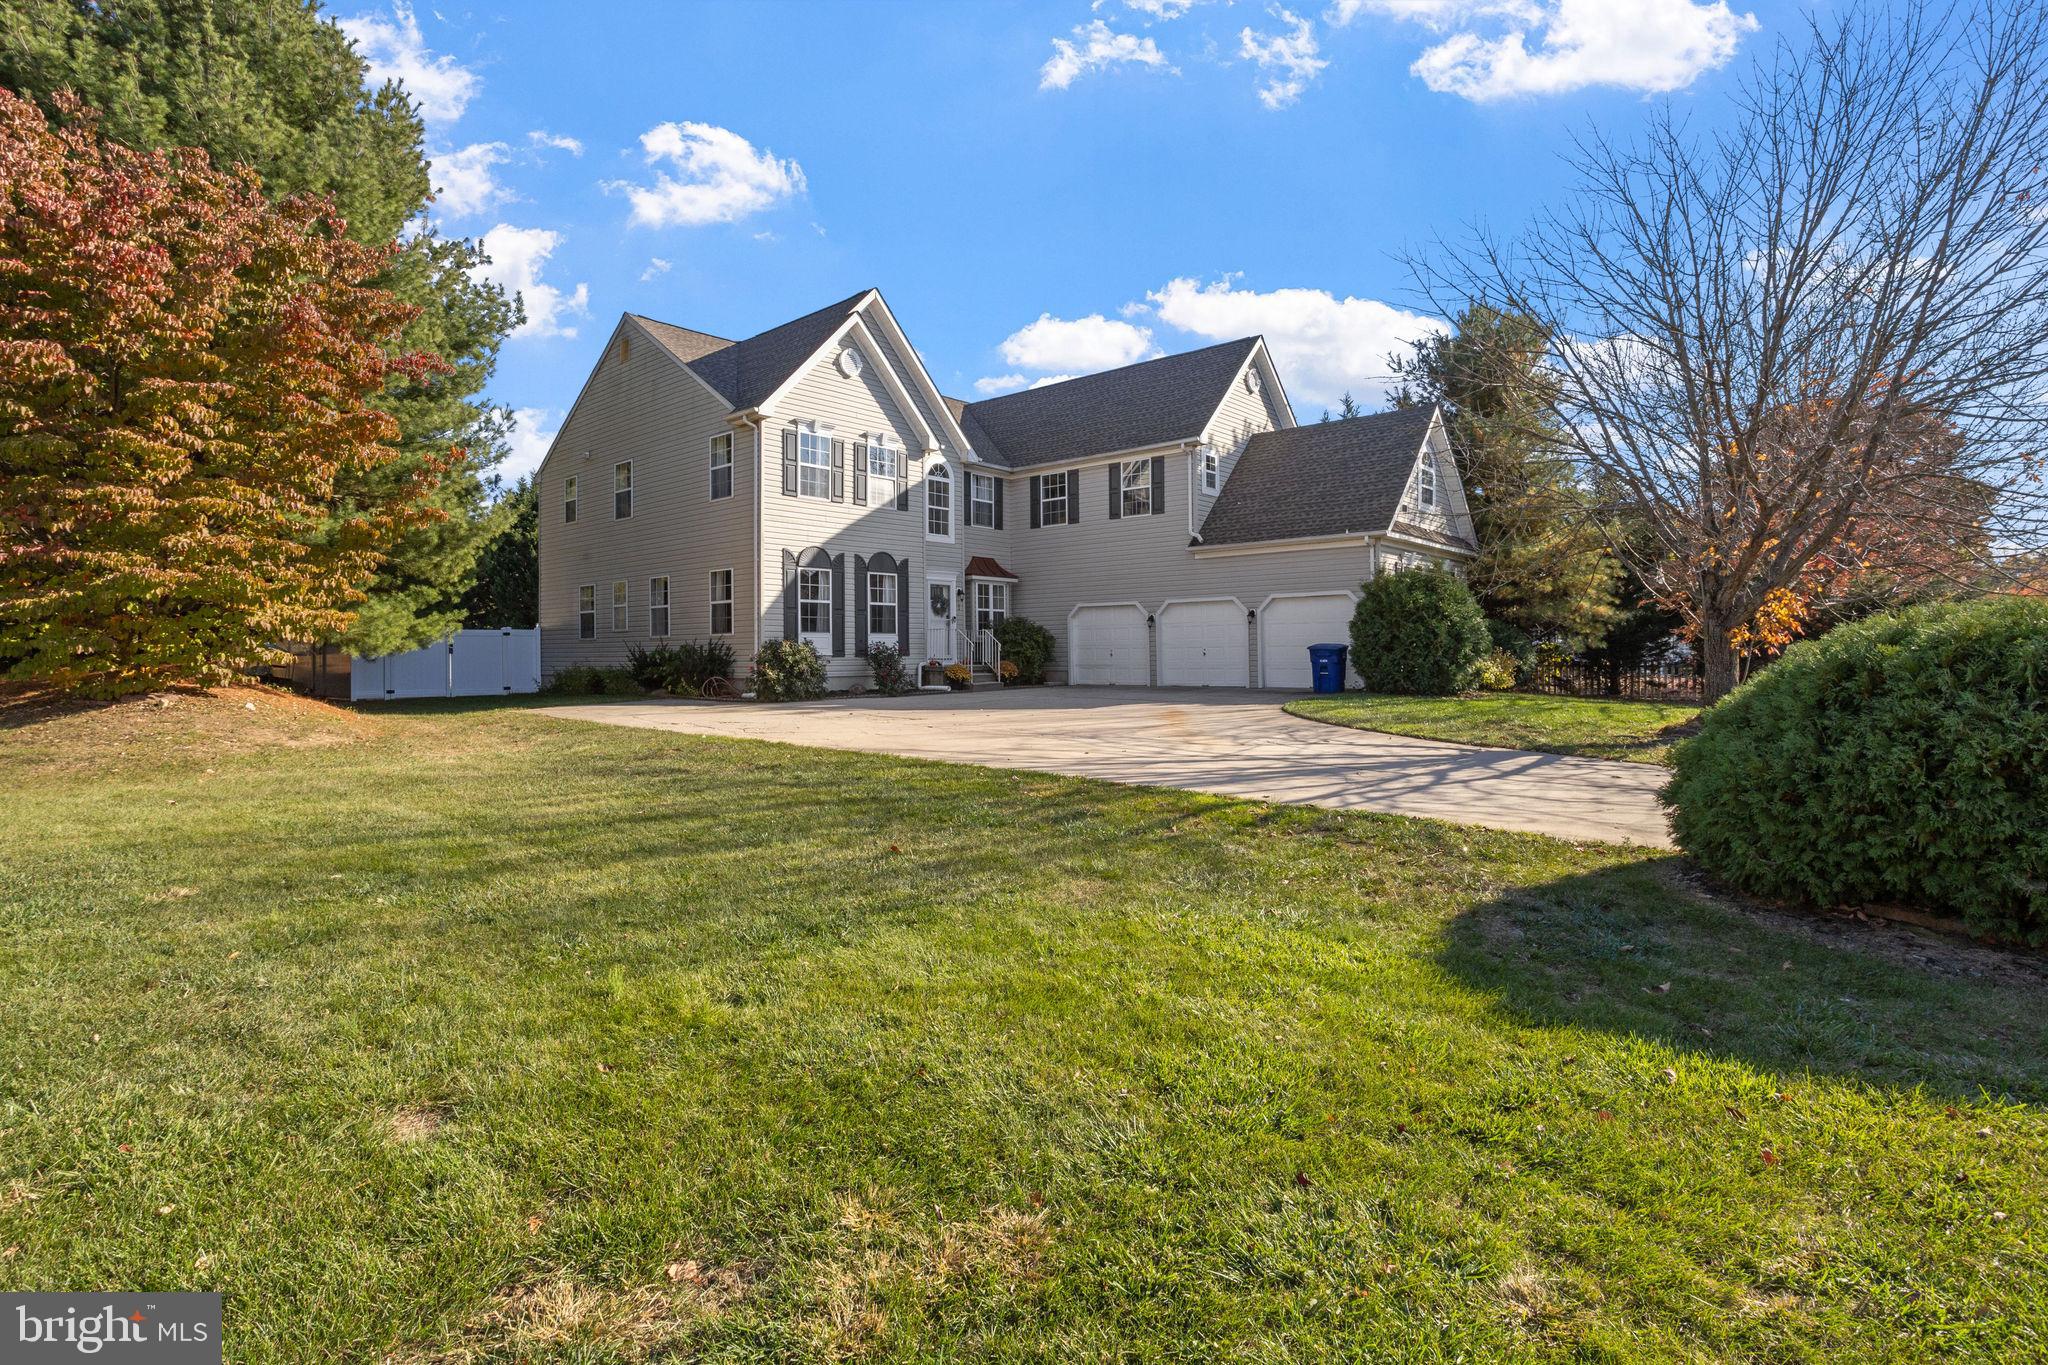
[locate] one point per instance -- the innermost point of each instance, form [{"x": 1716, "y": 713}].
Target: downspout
[
  {"x": 1192, "y": 448},
  {"x": 751, "y": 420}
]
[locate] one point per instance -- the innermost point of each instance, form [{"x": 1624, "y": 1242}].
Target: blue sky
[{"x": 1039, "y": 189}]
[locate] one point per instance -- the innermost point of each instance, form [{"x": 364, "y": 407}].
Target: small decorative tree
[{"x": 1417, "y": 632}]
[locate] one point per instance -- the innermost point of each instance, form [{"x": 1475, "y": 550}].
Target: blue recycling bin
[{"x": 1326, "y": 666}]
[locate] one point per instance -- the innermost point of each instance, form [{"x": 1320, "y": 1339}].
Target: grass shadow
[{"x": 1639, "y": 950}]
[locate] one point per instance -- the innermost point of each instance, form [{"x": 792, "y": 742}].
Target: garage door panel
[
  {"x": 1289, "y": 625},
  {"x": 1203, "y": 644},
  {"x": 1107, "y": 647}
]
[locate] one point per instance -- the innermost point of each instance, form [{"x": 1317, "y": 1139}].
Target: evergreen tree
[
  {"x": 507, "y": 587},
  {"x": 272, "y": 85},
  {"x": 1541, "y": 567},
  {"x": 1347, "y": 408}
]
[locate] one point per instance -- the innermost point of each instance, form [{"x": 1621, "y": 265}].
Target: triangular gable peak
[
  {"x": 871, "y": 326},
  {"x": 1450, "y": 511},
  {"x": 1260, "y": 360}
]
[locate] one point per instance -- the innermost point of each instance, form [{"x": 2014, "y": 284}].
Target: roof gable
[
  {"x": 744, "y": 373},
  {"x": 1153, "y": 403},
  {"x": 1323, "y": 479}
]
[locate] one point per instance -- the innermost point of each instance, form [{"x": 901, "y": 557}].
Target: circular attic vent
[{"x": 850, "y": 362}]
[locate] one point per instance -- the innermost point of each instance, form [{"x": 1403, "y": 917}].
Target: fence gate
[{"x": 469, "y": 663}]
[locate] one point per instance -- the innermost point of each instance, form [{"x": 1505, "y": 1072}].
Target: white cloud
[
  {"x": 1158, "y": 9},
  {"x": 655, "y": 267},
  {"x": 1078, "y": 345},
  {"x": 1098, "y": 49},
  {"x": 1289, "y": 59},
  {"x": 1324, "y": 346},
  {"x": 1551, "y": 47},
  {"x": 998, "y": 383},
  {"x": 394, "y": 50},
  {"x": 719, "y": 177},
  {"x": 1045, "y": 379},
  {"x": 526, "y": 445},
  {"x": 541, "y": 137},
  {"x": 464, "y": 182},
  {"x": 517, "y": 257}
]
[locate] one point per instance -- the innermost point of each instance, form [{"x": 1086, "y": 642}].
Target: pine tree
[
  {"x": 507, "y": 587},
  {"x": 1541, "y": 568},
  {"x": 271, "y": 85}
]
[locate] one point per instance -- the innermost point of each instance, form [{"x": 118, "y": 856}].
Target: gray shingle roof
[
  {"x": 1155, "y": 402},
  {"x": 745, "y": 372},
  {"x": 1321, "y": 479}
]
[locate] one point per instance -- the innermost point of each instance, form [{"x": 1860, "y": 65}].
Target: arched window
[{"x": 938, "y": 503}]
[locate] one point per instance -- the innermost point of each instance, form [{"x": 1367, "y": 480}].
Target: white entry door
[
  {"x": 1204, "y": 644},
  {"x": 1290, "y": 624},
  {"x": 942, "y": 593},
  {"x": 1107, "y": 645}
]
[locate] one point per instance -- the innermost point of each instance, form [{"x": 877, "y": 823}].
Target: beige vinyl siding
[
  {"x": 643, "y": 407},
  {"x": 1148, "y": 560},
  {"x": 1451, "y": 515},
  {"x": 1241, "y": 416},
  {"x": 851, "y": 407}
]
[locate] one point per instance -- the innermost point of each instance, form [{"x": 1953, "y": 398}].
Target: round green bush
[
  {"x": 1418, "y": 632},
  {"x": 1901, "y": 759},
  {"x": 1026, "y": 644},
  {"x": 788, "y": 670}
]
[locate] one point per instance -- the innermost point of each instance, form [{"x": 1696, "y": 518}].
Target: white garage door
[
  {"x": 1289, "y": 625},
  {"x": 1202, "y": 644},
  {"x": 1107, "y": 645}
]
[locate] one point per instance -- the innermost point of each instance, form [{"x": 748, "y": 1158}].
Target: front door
[{"x": 941, "y": 605}]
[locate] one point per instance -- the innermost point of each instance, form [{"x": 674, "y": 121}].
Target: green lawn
[
  {"x": 474, "y": 1035},
  {"x": 1638, "y": 731}
]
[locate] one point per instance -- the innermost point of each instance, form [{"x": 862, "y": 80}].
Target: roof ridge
[
  {"x": 694, "y": 331},
  {"x": 1120, "y": 369}
]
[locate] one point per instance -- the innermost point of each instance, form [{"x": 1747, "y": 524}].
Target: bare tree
[{"x": 1753, "y": 332}]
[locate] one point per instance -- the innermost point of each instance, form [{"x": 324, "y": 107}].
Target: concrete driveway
[{"x": 1233, "y": 743}]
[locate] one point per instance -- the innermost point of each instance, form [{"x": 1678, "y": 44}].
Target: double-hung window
[
  {"x": 586, "y": 612},
  {"x": 1212, "y": 470},
  {"x": 882, "y": 606},
  {"x": 814, "y": 607},
  {"x": 1425, "y": 481},
  {"x": 813, "y": 462},
  {"x": 619, "y": 606},
  {"x": 721, "y": 465},
  {"x": 991, "y": 605},
  {"x": 1137, "y": 486},
  {"x": 938, "y": 503},
  {"x": 569, "y": 498},
  {"x": 622, "y": 490},
  {"x": 1053, "y": 492},
  {"x": 721, "y": 601},
  {"x": 981, "y": 499},
  {"x": 884, "y": 460},
  {"x": 657, "y": 605}
]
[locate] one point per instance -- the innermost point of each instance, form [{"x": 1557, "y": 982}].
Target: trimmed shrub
[
  {"x": 1903, "y": 758},
  {"x": 892, "y": 679},
  {"x": 789, "y": 670},
  {"x": 1417, "y": 632},
  {"x": 1495, "y": 672},
  {"x": 586, "y": 680},
  {"x": 1026, "y": 644}
]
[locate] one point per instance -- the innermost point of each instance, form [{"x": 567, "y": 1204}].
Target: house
[{"x": 1168, "y": 521}]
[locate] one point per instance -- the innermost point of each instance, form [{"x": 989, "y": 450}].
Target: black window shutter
[
  {"x": 788, "y": 595},
  {"x": 839, "y": 471},
  {"x": 860, "y": 605},
  {"x": 839, "y": 606},
  {"x": 789, "y": 464},
  {"x": 1037, "y": 485},
  {"x": 903, "y": 606},
  {"x": 860, "y": 473},
  {"x": 1073, "y": 496},
  {"x": 1002, "y": 496},
  {"x": 1158, "y": 485},
  {"x": 903, "y": 484},
  {"x": 1116, "y": 490}
]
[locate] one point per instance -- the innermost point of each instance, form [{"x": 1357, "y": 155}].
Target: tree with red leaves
[{"x": 186, "y": 373}]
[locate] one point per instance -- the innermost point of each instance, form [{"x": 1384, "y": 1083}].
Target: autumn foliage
[{"x": 185, "y": 374}]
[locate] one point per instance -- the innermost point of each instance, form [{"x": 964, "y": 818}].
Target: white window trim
[
  {"x": 975, "y": 479},
  {"x": 711, "y": 614},
  {"x": 1425, "y": 482},
  {"x": 569, "y": 491},
  {"x": 824, "y": 576},
  {"x": 622, "y": 605},
  {"x": 943, "y": 473},
  {"x": 821, "y": 435},
  {"x": 588, "y": 590},
  {"x": 893, "y": 466},
  {"x": 1144, "y": 485},
  {"x": 667, "y": 605},
  {"x": 888, "y": 634},
  {"x": 1064, "y": 497},
  {"x": 730, "y": 468},
  {"x": 626, "y": 488},
  {"x": 996, "y": 587},
  {"x": 1212, "y": 470}
]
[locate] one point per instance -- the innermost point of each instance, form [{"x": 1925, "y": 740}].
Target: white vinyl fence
[{"x": 469, "y": 663}]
